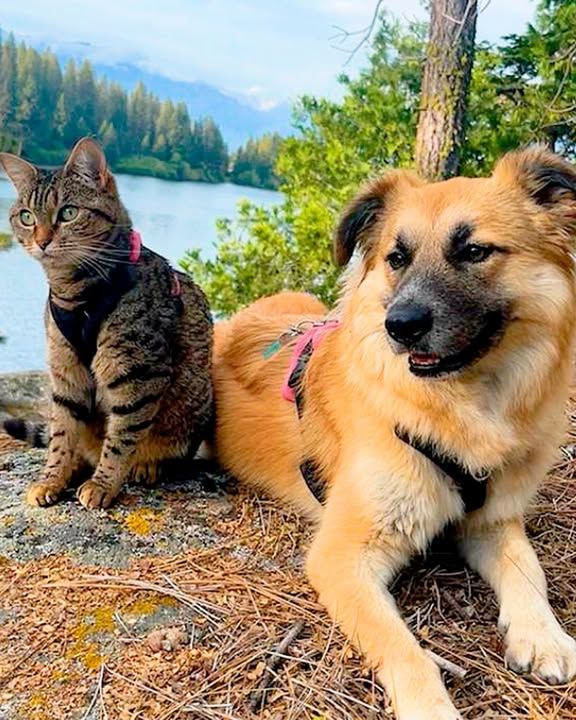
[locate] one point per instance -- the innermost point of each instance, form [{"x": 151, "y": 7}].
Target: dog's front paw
[
  {"x": 435, "y": 710},
  {"x": 147, "y": 474},
  {"x": 93, "y": 495},
  {"x": 43, "y": 493},
  {"x": 543, "y": 649},
  {"x": 420, "y": 695}
]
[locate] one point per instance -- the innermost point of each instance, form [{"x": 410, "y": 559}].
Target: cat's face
[{"x": 66, "y": 217}]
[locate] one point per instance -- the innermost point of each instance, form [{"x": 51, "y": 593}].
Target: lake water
[{"x": 172, "y": 217}]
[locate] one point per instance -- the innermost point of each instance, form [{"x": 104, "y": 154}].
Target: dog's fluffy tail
[
  {"x": 288, "y": 303},
  {"x": 34, "y": 433}
]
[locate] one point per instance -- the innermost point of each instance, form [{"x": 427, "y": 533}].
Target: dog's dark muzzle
[{"x": 440, "y": 341}]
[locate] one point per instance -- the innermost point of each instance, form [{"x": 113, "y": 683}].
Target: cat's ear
[
  {"x": 87, "y": 161},
  {"x": 20, "y": 172}
]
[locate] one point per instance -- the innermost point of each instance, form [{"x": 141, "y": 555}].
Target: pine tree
[
  {"x": 8, "y": 84},
  {"x": 164, "y": 130},
  {"x": 138, "y": 119},
  {"x": 86, "y": 101},
  {"x": 28, "y": 92},
  {"x": 67, "y": 110},
  {"x": 109, "y": 139}
]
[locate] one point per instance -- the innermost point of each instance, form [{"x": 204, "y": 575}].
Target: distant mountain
[{"x": 237, "y": 120}]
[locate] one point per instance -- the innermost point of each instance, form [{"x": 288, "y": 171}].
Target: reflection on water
[{"x": 172, "y": 217}]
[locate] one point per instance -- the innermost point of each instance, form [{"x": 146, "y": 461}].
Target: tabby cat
[{"x": 129, "y": 340}]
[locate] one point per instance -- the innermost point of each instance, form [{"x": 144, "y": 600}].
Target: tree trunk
[{"x": 445, "y": 86}]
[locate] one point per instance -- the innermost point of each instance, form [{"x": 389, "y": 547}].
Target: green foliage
[
  {"x": 255, "y": 255},
  {"x": 523, "y": 91},
  {"x": 254, "y": 163},
  {"x": 44, "y": 111}
]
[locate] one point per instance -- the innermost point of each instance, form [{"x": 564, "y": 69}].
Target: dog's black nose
[{"x": 408, "y": 322}]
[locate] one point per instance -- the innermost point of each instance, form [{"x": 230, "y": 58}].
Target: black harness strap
[
  {"x": 308, "y": 468},
  {"x": 81, "y": 325},
  {"x": 472, "y": 488}
]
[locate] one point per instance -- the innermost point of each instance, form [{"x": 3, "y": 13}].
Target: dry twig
[{"x": 277, "y": 657}]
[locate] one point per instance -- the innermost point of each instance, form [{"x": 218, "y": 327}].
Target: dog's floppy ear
[
  {"x": 547, "y": 179},
  {"x": 362, "y": 214}
]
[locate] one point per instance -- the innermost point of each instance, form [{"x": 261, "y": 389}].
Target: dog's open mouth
[{"x": 429, "y": 364}]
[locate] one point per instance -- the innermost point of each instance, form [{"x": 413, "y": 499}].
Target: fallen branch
[
  {"x": 447, "y": 665},
  {"x": 101, "y": 692},
  {"x": 454, "y": 604},
  {"x": 278, "y": 656}
]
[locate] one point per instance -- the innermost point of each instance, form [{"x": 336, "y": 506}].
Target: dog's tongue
[{"x": 424, "y": 359}]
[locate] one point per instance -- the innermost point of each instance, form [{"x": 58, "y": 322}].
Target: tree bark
[{"x": 445, "y": 85}]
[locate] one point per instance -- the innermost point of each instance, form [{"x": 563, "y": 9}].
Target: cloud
[
  {"x": 238, "y": 45},
  {"x": 345, "y": 8}
]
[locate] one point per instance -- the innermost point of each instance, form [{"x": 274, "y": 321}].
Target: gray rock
[
  {"x": 160, "y": 521},
  {"x": 24, "y": 393}
]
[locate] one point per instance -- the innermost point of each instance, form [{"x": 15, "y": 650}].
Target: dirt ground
[{"x": 171, "y": 604}]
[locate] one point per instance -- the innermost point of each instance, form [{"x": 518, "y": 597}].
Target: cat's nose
[{"x": 43, "y": 236}]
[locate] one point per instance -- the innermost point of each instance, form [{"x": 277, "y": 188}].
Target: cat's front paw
[
  {"x": 43, "y": 493},
  {"x": 543, "y": 649},
  {"x": 93, "y": 495}
]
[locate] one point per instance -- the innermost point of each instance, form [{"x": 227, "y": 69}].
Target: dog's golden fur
[{"x": 385, "y": 500}]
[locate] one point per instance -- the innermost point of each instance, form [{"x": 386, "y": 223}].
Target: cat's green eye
[
  {"x": 27, "y": 218},
  {"x": 68, "y": 213}
]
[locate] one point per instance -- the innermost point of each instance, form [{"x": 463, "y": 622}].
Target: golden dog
[{"x": 447, "y": 375}]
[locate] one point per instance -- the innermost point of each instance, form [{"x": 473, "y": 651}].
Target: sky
[{"x": 269, "y": 51}]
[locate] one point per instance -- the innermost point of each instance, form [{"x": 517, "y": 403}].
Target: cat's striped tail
[{"x": 34, "y": 433}]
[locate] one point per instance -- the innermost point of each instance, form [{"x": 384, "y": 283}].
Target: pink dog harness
[{"x": 307, "y": 343}]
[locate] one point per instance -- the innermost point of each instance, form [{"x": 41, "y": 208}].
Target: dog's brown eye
[
  {"x": 397, "y": 259},
  {"x": 475, "y": 253}
]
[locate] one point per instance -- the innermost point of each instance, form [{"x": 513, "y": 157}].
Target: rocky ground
[{"x": 170, "y": 605}]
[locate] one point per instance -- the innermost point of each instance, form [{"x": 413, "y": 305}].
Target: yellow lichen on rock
[
  {"x": 146, "y": 606},
  {"x": 143, "y": 521},
  {"x": 34, "y": 708},
  {"x": 87, "y": 650}
]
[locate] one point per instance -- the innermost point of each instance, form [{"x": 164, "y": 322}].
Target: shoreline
[{"x": 226, "y": 181}]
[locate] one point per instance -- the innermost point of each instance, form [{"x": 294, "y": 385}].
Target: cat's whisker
[
  {"x": 101, "y": 249},
  {"x": 88, "y": 262},
  {"x": 114, "y": 256}
]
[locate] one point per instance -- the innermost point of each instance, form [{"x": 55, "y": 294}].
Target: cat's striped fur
[{"x": 131, "y": 384}]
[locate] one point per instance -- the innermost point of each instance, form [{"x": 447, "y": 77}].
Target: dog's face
[{"x": 454, "y": 264}]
